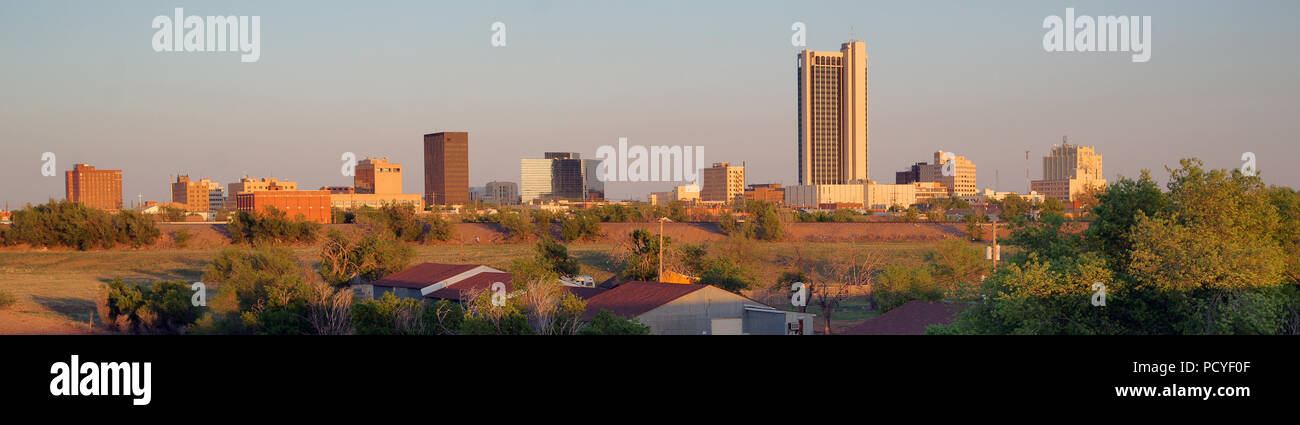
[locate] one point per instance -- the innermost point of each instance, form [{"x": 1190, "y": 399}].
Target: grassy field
[{"x": 56, "y": 289}]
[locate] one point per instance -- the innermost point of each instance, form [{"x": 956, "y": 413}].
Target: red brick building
[
  {"x": 770, "y": 192},
  {"x": 95, "y": 188},
  {"x": 313, "y": 205}
]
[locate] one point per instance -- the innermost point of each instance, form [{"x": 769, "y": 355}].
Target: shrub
[
  {"x": 272, "y": 227},
  {"x": 606, "y": 323},
  {"x": 181, "y": 238},
  {"x": 437, "y": 228},
  {"x": 262, "y": 291},
  {"x": 7, "y": 299},
  {"x": 67, "y": 223},
  {"x": 164, "y": 307},
  {"x": 517, "y": 224},
  {"x": 899, "y": 284},
  {"x": 390, "y": 315},
  {"x": 582, "y": 225}
]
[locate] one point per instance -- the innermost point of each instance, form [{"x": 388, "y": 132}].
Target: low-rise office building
[
  {"x": 311, "y": 205},
  {"x": 813, "y": 196}
]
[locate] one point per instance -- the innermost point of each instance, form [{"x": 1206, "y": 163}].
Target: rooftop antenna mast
[{"x": 1028, "y": 187}]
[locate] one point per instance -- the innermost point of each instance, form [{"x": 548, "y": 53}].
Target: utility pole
[
  {"x": 993, "y": 252},
  {"x": 661, "y": 247},
  {"x": 997, "y": 250}
]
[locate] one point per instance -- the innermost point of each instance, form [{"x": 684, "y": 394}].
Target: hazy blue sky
[{"x": 81, "y": 79}]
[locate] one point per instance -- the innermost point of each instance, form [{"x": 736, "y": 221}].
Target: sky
[{"x": 82, "y": 80}]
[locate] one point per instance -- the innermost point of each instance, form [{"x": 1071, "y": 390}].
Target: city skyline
[{"x": 316, "y": 93}]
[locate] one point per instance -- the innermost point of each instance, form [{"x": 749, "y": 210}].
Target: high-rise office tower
[
  {"x": 560, "y": 176},
  {"x": 446, "y": 168},
  {"x": 95, "y": 188},
  {"x": 961, "y": 181},
  {"x": 833, "y": 115},
  {"x": 1068, "y": 171}
]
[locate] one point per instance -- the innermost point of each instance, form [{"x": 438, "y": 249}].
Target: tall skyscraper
[
  {"x": 95, "y": 188},
  {"x": 446, "y": 168},
  {"x": 832, "y": 108},
  {"x": 560, "y": 175},
  {"x": 1068, "y": 171}
]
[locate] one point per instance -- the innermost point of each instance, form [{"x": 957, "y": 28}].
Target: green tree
[
  {"x": 555, "y": 257},
  {"x": 641, "y": 260},
  {"x": 768, "y": 225},
  {"x": 1117, "y": 210},
  {"x": 724, "y": 273},
  {"x": 1015, "y": 209},
  {"x": 975, "y": 226},
  {"x": 370, "y": 258}
]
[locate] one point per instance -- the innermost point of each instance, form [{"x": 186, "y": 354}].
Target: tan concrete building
[
  {"x": 377, "y": 175},
  {"x": 988, "y": 195},
  {"x": 197, "y": 196},
  {"x": 1068, "y": 171},
  {"x": 446, "y": 168},
  {"x": 926, "y": 191},
  {"x": 248, "y": 184},
  {"x": 832, "y": 105},
  {"x": 962, "y": 180},
  {"x": 813, "y": 196},
  {"x": 95, "y": 188},
  {"x": 375, "y": 200},
  {"x": 375, "y": 184},
  {"x": 688, "y": 194},
  {"x": 723, "y": 182},
  {"x": 883, "y": 196}
]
